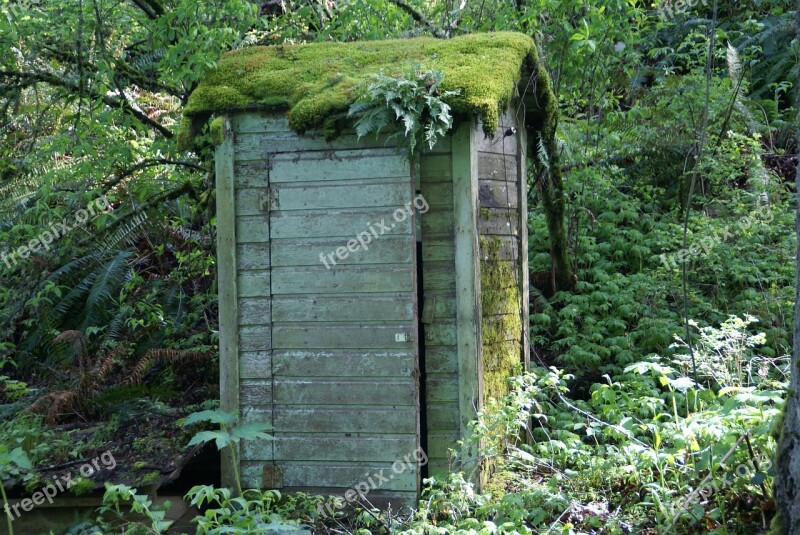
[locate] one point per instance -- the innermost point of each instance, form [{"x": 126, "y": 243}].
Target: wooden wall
[
  {"x": 439, "y": 305},
  {"x": 503, "y": 253},
  {"x": 314, "y": 351},
  {"x": 318, "y": 354}
]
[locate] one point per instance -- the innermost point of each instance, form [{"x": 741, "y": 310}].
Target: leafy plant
[
  {"x": 229, "y": 434},
  {"x": 251, "y": 512},
  {"x": 414, "y": 100},
  {"x": 725, "y": 356},
  {"x": 95, "y": 376},
  {"x": 15, "y": 459},
  {"x": 117, "y": 495}
]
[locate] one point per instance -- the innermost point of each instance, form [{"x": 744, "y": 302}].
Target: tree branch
[
  {"x": 150, "y": 8},
  {"x": 127, "y": 71},
  {"x": 28, "y": 79},
  {"x": 419, "y": 17},
  {"x": 152, "y": 162}
]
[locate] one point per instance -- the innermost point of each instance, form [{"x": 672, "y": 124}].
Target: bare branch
[
  {"x": 28, "y": 79},
  {"x": 419, "y": 17}
]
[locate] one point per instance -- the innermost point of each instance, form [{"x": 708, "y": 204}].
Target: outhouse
[{"x": 370, "y": 302}]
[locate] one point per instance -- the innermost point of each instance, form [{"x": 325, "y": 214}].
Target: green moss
[
  {"x": 81, "y": 486},
  {"x": 501, "y": 483},
  {"x": 217, "y": 129},
  {"x": 315, "y": 83},
  {"x": 149, "y": 478},
  {"x": 501, "y": 320}
]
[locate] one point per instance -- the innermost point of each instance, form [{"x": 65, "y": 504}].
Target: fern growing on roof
[{"x": 413, "y": 100}]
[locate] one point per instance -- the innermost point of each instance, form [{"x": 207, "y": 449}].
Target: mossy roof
[{"x": 315, "y": 82}]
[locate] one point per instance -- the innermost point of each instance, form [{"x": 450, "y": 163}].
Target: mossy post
[{"x": 543, "y": 150}]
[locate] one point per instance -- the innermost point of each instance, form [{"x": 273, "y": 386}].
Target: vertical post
[
  {"x": 522, "y": 173},
  {"x": 226, "y": 282},
  {"x": 468, "y": 322}
]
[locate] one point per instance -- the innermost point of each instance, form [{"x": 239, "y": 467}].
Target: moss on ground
[
  {"x": 316, "y": 83},
  {"x": 501, "y": 320}
]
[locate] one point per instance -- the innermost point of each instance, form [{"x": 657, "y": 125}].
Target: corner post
[
  {"x": 468, "y": 280},
  {"x": 522, "y": 173},
  {"x": 226, "y": 281}
]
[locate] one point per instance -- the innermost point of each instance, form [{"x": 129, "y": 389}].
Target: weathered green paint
[
  {"x": 254, "y": 364},
  {"x": 393, "y": 392},
  {"x": 254, "y": 338},
  {"x": 443, "y": 359},
  {"x": 442, "y": 388},
  {"x": 329, "y": 356},
  {"x": 362, "y": 309},
  {"x": 345, "y": 225},
  {"x": 465, "y": 208},
  {"x": 341, "y": 280},
  {"x": 439, "y": 444},
  {"x": 439, "y": 301},
  {"x": 252, "y": 283},
  {"x": 255, "y": 311},
  {"x": 440, "y": 276},
  {"x": 295, "y": 253},
  {"x": 502, "y": 290},
  {"x": 321, "y": 360},
  {"x": 342, "y": 363},
  {"x": 344, "y": 165},
  {"x": 332, "y": 478},
  {"x": 344, "y": 420},
  {"x": 251, "y": 256},
  {"x": 324, "y": 197},
  {"x": 226, "y": 275},
  {"x": 347, "y": 336},
  {"x": 256, "y": 392}
]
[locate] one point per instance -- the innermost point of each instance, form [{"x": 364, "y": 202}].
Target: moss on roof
[{"x": 315, "y": 82}]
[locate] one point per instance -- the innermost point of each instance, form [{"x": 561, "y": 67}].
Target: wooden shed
[{"x": 360, "y": 353}]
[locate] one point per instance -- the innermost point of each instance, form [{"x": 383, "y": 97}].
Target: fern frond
[
  {"x": 172, "y": 356},
  {"x": 541, "y": 154},
  {"x": 734, "y": 65}
]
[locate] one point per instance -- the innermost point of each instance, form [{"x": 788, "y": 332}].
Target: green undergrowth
[
  {"x": 628, "y": 303},
  {"x": 316, "y": 83},
  {"x": 643, "y": 454}
]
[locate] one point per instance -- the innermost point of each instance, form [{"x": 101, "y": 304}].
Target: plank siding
[
  {"x": 328, "y": 349},
  {"x": 325, "y": 349},
  {"x": 438, "y": 314},
  {"x": 225, "y": 163},
  {"x": 502, "y": 189}
]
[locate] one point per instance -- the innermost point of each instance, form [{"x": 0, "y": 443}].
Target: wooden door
[{"x": 343, "y": 312}]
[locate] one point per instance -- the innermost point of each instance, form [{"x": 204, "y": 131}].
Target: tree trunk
[
  {"x": 787, "y": 477},
  {"x": 543, "y": 151}
]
